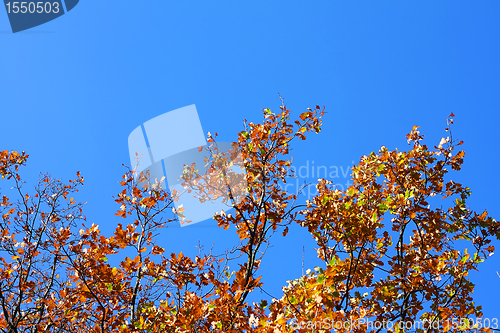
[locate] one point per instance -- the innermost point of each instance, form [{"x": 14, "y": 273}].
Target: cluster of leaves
[
  {"x": 56, "y": 276},
  {"x": 411, "y": 267}
]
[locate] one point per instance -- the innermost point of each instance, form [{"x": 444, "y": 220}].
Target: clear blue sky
[{"x": 72, "y": 90}]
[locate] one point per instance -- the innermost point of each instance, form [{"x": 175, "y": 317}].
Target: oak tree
[{"x": 397, "y": 246}]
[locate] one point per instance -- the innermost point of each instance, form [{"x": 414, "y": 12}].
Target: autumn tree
[
  {"x": 392, "y": 254},
  {"x": 393, "y": 257}
]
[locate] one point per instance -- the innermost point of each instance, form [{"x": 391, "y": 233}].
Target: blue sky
[{"x": 72, "y": 90}]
